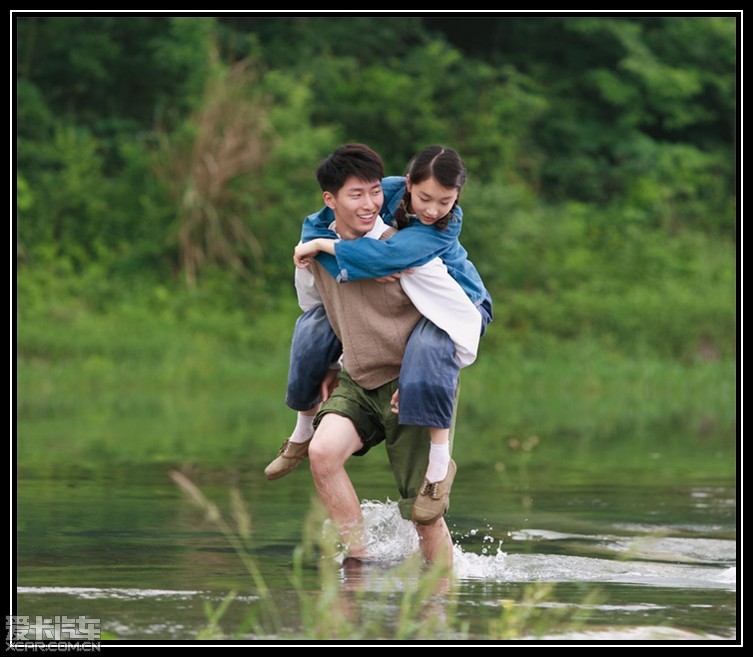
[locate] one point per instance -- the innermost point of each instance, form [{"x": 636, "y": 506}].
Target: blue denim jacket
[{"x": 411, "y": 247}]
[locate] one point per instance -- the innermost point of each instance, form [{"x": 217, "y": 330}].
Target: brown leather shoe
[
  {"x": 434, "y": 498},
  {"x": 288, "y": 459}
]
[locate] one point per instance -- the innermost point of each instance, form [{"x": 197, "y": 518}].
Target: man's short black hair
[{"x": 349, "y": 160}]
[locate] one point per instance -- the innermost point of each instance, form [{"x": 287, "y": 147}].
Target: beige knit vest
[{"x": 372, "y": 320}]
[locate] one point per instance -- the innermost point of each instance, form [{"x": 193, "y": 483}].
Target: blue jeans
[
  {"x": 314, "y": 347},
  {"x": 428, "y": 376}
]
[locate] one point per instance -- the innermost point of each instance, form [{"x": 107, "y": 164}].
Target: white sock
[
  {"x": 439, "y": 462},
  {"x": 304, "y": 429}
]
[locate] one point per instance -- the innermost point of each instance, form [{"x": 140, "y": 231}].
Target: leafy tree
[
  {"x": 619, "y": 99},
  {"x": 96, "y": 69},
  {"x": 295, "y": 42},
  {"x": 90, "y": 91}
]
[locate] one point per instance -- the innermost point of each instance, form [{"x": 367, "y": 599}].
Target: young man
[{"x": 373, "y": 321}]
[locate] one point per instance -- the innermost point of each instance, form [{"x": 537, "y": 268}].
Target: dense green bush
[
  {"x": 576, "y": 269},
  {"x": 155, "y": 152}
]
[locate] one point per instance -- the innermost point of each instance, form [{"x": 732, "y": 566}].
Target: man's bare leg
[
  {"x": 436, "y": 543},
  {"x": 333, "y": 444}
]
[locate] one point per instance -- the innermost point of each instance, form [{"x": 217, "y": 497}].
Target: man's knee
[
  {"x": 333, "y": 443},
  {"x": 319, "y": 455}
]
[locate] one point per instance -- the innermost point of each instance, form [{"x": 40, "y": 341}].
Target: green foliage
[
  {"x": 285, "y": 190},
  {"x": 368, "y": 39},
  {"x": 73, "y": 208},
  {"x": 380, "y": 103},
  {"x": 93, "y": 69},
  {"x": 576, "y": 270},
  {"x": 617, "y": 92},
  {"x": 155, "y": 151}
]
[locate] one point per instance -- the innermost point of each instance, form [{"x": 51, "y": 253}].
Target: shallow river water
[{"x": 615, "y": 560}]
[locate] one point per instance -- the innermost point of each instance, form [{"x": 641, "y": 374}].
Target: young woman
[{"x": 424, "y": 207}]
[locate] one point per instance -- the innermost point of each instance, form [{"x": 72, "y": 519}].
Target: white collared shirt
[{"x": 434, "y": 293}]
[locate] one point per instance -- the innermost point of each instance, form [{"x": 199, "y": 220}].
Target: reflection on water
[{"x": 133, "y": 551}]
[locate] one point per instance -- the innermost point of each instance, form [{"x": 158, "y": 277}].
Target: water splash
[
  {"x": 478, "y": 555},
  {"x": 728, "y": 576},
  {"x": 389, "y": 536},
  {"x": 392, "y": 538}
]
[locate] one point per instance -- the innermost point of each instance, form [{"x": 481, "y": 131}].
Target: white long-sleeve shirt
[{"x": 434, "y": 293}]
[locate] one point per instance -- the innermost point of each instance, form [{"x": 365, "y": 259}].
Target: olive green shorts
[{"x": 407, "y": 445}]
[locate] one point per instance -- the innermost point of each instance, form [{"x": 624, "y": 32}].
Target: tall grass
[{"x": 135, "y": 385}]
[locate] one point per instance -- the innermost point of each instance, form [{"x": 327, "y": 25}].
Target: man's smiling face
[{"x": 356, "y": 207}]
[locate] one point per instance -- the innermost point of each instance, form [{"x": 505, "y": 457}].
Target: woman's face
[{"x": 431, "y": 201}]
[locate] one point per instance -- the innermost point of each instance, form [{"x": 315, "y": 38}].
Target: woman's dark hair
[
  {"x": 442, "y": 164},
  {"x": 349, "y": 160}
]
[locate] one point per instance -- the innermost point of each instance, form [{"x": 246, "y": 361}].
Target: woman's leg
[
  {"x": 430, "y": 373},
  {"x": 428, "y": 378},
  {"x": 313, "y": 348}
]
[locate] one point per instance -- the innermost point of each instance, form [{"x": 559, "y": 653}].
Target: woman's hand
[
  {"x": 393, "y": 402},
  {"x": 329, "y": 383},
  {"x": 393, "y": 278},
  {"x": 303, "y": 253}
]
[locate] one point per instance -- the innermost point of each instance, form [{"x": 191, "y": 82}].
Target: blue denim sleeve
[
  {"x": 394, "y": 190},
  {"x": 317, "y": 225},
  {"x": 411, "y": 247}
]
